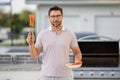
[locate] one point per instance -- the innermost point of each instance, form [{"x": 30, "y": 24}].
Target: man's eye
[{"x": 56, "y": 16}]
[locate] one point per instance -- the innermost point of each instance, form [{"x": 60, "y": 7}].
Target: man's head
[
  {"x": 55, "y": 15},
  {"x": 55, "y": 8}
]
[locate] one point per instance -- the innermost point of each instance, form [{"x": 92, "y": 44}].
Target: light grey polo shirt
[{"x": 56, "y": 47}]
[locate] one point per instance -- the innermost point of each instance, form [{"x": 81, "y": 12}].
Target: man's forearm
[
  {"x": 33, "y": 51},
  {"x": 78, "y": 57}
]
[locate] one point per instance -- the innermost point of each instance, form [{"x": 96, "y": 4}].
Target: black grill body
[{"x": 100, "y": 53}]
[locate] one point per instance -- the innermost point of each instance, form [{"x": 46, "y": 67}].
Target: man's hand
[
  {"x": 76, "y": 63},
  {"x": 30, "y": 38}
]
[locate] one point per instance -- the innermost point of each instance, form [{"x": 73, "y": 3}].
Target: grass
[{"x": 15, "y": 42}]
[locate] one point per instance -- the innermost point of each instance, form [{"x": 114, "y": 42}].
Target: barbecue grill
[{"x": 100, "y": 59}]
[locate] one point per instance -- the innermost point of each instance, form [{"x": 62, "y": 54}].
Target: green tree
[
  {"x": 5, "y": 19},
  {"x": 16, "y": 26},
  {"x": 24, "y": 17},
  {"x": 1, "y": 17}
]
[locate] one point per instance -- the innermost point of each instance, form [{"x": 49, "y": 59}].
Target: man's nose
[{"x": 56, "y": 18}]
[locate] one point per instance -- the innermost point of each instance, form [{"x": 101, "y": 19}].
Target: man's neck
[{"x": 56, "y": 29}]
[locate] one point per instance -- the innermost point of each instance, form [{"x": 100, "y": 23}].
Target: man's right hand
[{"x": 30, "y": 38}]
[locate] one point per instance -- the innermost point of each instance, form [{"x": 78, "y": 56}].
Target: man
[{"x": 55, "y": 42}]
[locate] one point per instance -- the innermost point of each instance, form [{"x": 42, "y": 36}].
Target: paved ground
[
  {"x": 19, "y": 75},
  {"x": 20, "y": 67}
]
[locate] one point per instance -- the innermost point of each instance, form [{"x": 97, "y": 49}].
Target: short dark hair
[{"x": 55, "y": 8}]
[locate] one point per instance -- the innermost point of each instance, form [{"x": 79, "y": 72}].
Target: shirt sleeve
[
  {"x": 38, "y": 42},
  {"x": 74, "y": 42}
]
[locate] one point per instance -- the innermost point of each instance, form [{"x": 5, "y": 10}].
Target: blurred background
[
  {"x": 14, "y": 26},
  {"x": 90, "y": 20},
  {"x": 14, "y": 22}
]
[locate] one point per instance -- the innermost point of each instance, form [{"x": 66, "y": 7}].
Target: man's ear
[{"x": 48, "y": 16}]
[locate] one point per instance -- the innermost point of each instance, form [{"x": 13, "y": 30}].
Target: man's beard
[{"x": 56, "y": 25}]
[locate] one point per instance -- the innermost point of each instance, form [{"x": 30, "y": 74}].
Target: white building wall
[{"x": 78, "y": 18}]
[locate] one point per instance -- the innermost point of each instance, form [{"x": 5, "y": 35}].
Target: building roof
[{"x": 74, "y": 2}]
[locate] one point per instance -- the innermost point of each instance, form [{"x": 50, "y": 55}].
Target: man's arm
[
  {"x": 78, "y": 55},
  {"x": 34, "y": 52}
]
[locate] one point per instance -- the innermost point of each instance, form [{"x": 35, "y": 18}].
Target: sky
[{"x": 17, "y": 6}]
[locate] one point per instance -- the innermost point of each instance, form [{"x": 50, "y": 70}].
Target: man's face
[{"x": 56, "y": 18}]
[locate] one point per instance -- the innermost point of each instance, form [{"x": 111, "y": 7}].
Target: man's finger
[{"x": 29, "y": 33}]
